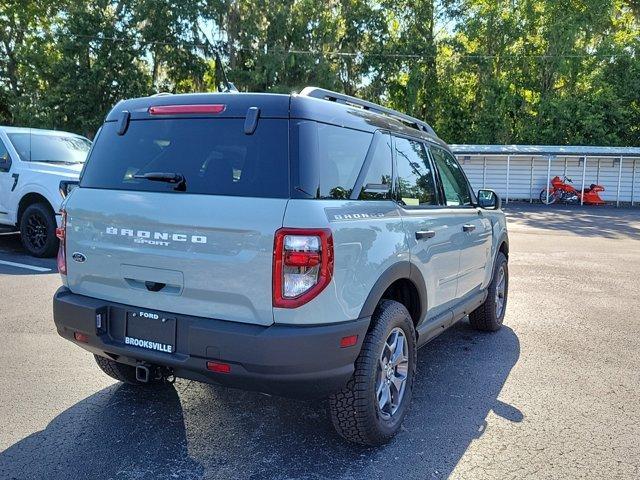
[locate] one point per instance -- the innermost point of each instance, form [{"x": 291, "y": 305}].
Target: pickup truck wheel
[
  {"x": 121, "y": 372},
  {"x": 371, "y": 408},
  {"x": 38, "y": 230},
  {"x": 488, "y": 317}
]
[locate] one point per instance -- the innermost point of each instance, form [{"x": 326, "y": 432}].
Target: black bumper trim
[{"x": 290, "y": 361}]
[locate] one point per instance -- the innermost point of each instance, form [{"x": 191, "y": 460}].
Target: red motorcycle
[{"x": 562, "y": 191}]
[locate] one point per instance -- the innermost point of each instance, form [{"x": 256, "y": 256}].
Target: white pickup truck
[{"x": 36, "y": 168}]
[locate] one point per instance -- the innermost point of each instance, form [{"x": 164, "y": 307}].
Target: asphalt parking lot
[{"x": 554, "y": 394}]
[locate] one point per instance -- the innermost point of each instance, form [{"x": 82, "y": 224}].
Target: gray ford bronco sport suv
[{"x": 299, "y": 245}]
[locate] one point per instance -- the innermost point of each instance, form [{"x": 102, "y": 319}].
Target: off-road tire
[
  {"x": 43, "y": 215},
  {"x": 484, "y": 317},
  {"x": 121, "y": 372},
  {"x": 354, "y": 411}
]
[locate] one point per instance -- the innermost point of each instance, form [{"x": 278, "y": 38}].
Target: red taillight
[
  {"x": 186, "y": 109},
  {"x": 219, "y": 367},
  {"x": 61, "y": 233},
  {"x": 302, "y": 265},
  {"x": 301, "y": 259}
]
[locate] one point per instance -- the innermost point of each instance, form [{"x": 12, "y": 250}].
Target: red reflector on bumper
[
  {"x": 81, "y": 337},
  {"x": 349, "y": 341},
  {"x": 219, "y": 367}
]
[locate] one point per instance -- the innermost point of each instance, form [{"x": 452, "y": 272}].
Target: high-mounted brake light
[
  {"x": 61, "y": 233},
  {"x": 186, "y": 109},
  {"x": 302, "y": 265}
]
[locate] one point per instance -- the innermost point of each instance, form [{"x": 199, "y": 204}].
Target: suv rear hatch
[{"x": 177, "y": 208}]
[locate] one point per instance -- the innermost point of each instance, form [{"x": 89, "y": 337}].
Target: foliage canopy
[{"x": 481, "y": 71}]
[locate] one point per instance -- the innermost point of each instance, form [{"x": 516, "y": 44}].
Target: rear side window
[
  {"x": 416, "y": 184},
  {"x": 330, "y": 158},
  {"x": 5, "y": 161},
  {"x": 214, "y": 156},
  {"x": 378, "y": 179}
]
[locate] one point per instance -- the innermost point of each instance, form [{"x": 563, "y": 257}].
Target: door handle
[
  {"x": 468, "y": 227},
  {"x": 424, "y": 234}
]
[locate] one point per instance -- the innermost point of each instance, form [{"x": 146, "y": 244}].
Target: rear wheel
[
  {"x": 122, "y": 372},
  {"x": 38, "y": 230},
  {"x": 371, "y": 408},
  {"x": 490, "y": 315}
]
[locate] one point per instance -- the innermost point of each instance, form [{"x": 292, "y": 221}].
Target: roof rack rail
[{"x": 324, "y": 94}]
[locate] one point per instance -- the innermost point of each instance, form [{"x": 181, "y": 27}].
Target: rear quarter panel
[{"x": 368, "y": 239}]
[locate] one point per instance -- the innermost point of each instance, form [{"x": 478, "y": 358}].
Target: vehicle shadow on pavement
[
  {"x": 11, "y": 250},
  {"x": 196, "y": 431},
  {"x": 587, "y": 221},
  {"x": 119, "y": 432}
]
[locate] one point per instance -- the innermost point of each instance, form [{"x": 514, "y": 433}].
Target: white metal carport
[{"x": 520, "y": 172}]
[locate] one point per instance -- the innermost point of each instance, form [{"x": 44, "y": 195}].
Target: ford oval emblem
[{"x": 79, "y": 257}]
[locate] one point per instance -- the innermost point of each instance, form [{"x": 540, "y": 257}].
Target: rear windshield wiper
[{"x": 176, "y": 178}]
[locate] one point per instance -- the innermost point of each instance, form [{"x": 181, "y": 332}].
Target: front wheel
[
  {"x": 38, "y": 230},
  {"x": 552, "y": 198},
  {"x": 371, "y": 408}
]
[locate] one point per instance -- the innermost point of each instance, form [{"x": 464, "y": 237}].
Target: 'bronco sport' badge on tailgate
[{"x": 162, "y": 239}]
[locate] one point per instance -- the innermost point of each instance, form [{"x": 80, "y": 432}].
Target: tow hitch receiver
[
  {"x": 146, "y": 373},
  {"x": 142, "y": 373}
]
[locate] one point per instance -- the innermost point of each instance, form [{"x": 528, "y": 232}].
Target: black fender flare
[
  {"x": 504, "y": 238},
  {"x": 398, "y": 271}
]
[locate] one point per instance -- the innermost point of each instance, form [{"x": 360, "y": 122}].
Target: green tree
[{"x": 481, "y": 71}]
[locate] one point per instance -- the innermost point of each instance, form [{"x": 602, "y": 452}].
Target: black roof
[{"x": 273, "y": 105}]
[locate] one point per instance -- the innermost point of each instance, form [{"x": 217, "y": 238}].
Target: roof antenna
[{"x": 228, "y": 86}]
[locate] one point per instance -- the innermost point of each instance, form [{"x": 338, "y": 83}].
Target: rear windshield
[
  {"x": 36, "y": 147},
  {"x": 213, "y": 156}
]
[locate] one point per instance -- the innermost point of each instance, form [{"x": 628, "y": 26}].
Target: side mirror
[
  {"x": 5, "y": 162},
  {"x": 489, "y": 199}
]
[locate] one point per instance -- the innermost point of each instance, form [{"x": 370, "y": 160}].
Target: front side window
[
  {"x": 456, "y": 188},
  {"x": 416, "y": 184},
  {"x": 54, "y": 148}
]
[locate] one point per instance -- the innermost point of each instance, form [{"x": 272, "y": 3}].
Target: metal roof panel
[{"x": 546, "y": 150}]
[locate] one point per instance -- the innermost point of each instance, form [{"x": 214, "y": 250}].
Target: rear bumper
[{"x": 291, "y": 361}]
